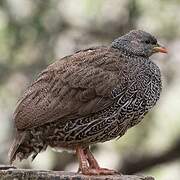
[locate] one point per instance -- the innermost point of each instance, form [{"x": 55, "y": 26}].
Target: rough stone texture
[{"x": 11, "y": 173}]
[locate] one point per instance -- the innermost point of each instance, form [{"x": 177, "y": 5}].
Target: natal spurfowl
[{"x": 91, "y": 96}]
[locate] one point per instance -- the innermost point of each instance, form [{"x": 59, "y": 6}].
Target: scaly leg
[
  {"x": 94, "y": 164},
  {"x": 91, "y": 159},
  {"x": 83, "y": 163},
  {"x": 88, "y": 164}
]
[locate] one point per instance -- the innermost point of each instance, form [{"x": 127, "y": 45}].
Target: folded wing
[{"x": 75, "y": 86}]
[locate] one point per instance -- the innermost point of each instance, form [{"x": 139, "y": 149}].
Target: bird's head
[{"x": 138, "y": 42}]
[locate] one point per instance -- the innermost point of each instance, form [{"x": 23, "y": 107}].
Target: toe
[{"x": 100, "y": 171}]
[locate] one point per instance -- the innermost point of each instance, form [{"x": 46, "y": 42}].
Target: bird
[{"x": 92, "y": 96}]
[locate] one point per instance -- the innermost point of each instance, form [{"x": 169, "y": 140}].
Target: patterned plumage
[{"x": 92, "y": 96}]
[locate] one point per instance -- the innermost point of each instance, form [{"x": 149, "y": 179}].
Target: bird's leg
[
  {"x": 88, "y": 164},
  {"x": 94, "y": 164},
  {"x": 83, "y": 163},
  {"x": 91, "y": 159}
]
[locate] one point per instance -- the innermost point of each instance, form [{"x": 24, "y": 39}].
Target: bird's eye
[{"x": 147, "y": 42}]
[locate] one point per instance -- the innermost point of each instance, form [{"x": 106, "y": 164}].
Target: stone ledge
[{"x": 11, "y": 173}]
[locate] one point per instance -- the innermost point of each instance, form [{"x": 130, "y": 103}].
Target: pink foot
[{"x": 99, "y": 171}]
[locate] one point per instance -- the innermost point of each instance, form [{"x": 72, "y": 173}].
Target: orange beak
[{"x": 160, "y": 49}]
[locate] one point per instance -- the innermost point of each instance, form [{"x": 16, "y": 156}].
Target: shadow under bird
[{"x": 91, "y": 96}]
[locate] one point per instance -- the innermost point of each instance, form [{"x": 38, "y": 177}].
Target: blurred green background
[{"x": 33, "y": 33}]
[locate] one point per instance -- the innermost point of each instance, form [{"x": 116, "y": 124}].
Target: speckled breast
[{"x": 144, "y": 88}]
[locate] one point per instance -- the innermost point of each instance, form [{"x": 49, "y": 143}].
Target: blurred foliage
[{"x": 35, "y": 33}]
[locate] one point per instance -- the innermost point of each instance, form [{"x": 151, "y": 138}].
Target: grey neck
[
  {"x": 124, "y": 52},
  {"x": 127, "y": 48}
]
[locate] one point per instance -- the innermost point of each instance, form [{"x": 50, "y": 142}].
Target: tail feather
[{"x": 14, "y": 148}]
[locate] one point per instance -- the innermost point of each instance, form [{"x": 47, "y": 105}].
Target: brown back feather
[{"x": 74, "y": 86}]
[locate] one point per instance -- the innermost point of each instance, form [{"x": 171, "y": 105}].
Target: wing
[{"x": 75, "y": 86}]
